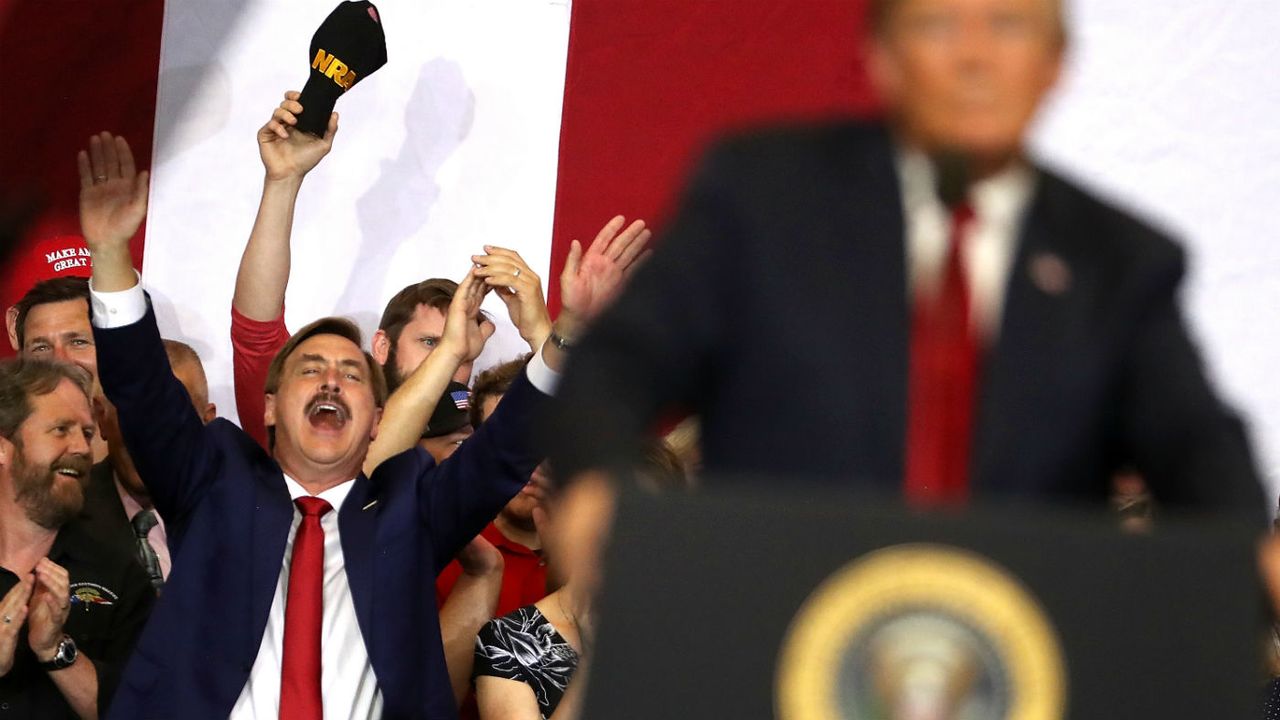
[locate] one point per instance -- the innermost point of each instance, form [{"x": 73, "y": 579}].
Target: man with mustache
[
  {"x": 412, "y": 321},
  {"x": 71, "y": 605},
  {"x": 303, "y": 583}
]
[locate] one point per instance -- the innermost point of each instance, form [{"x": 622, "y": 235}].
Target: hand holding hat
[
  {"x": 348, "y": 47},
  {"x": 287, "y": 155}
]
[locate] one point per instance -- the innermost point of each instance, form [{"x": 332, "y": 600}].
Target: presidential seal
[{"x": 921, "y": 632}]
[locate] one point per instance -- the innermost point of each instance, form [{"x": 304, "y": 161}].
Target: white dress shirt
[
  {"x": 999, "y": 203},
  {"x": 349, "y": 685},
  {"x": 346, "y": 675}
]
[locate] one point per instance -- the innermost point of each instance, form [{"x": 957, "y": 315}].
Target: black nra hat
[
  {"x": 348, "y": 47},
  {"x": 451, "y": 412}
]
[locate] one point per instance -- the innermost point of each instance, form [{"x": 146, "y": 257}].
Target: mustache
[
  {"x": 80, "y": 464},
  {"x": 325, "y": 397}
]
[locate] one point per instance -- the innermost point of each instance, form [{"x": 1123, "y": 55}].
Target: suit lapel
[
  {"x": 272, "y": 516},
  {"x": 1042, "y": 295},
  {"x": 358, "y": 522}
]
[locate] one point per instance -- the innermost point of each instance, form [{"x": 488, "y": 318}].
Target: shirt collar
[
  {"x": 131, "y": 507},
  {"x": 71, "y": 543},
  {"x": 1000, "y": 198},
  {"x": 335, "y": 495}
]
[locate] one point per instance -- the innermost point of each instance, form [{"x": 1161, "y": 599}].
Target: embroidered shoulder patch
[{"x": 85, "y": 594}]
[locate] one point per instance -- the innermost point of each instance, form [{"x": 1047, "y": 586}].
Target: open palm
[
  {"x": 592, "y": 278},
  {"x": 113, "y": 194}
]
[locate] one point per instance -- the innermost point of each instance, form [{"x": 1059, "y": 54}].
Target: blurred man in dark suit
[{"x": 967, "y": 323}]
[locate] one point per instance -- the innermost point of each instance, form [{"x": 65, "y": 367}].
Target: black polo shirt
[{"x": 110, "y": 600}]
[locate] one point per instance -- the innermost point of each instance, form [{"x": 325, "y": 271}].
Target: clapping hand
[
  {"x": 465, "y": 330},
  {"x": 13, "y": 612},
  {"x": 50, "y": 604},
  {"x": 519, "y": 288}
]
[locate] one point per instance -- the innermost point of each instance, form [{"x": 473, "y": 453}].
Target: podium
[{"x": 814, "y": 605}]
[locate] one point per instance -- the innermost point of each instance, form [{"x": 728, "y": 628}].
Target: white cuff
[
  {"x": 117, "y": 309},
  {"x": 540, "y": 376}
]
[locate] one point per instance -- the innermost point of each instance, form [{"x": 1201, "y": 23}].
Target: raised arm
[
  {"x": 113, "y": 204},
  {"x": 287, "y": 156},
  {"x": 410, "y": 406},
  {"x": 470, "y": 605},
  {"x": 466, "y": 491},
  {"x": 257, "y": 308},
  {"x": 595, "y": 276},
  {"x": 161, "y": 429}
]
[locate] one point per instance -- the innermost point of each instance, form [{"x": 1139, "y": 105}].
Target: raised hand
[
  {"x": 286, "y": 153},
  {"x": 519, "y": 288},
  {"x": 48, "y": 608},
  {"x": 464, "y": 331},
  {"x": 113, "y": 194},
  {"x": 13, "y": 612},
  {"x": 592, "y": 278}
]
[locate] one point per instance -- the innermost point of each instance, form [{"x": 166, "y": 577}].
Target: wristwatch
[
  {"x": 65, "y": 657},
  {"x": 560, "y": 341}
]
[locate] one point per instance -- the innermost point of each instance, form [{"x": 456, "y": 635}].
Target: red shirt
[
  {"x": 524, "y": 574},
  {"x": 253, "y": 345}
]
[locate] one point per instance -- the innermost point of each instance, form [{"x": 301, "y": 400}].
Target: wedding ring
[
  {"x": 517, "y": 273},
  {"x": 99, "y": 178},
  {"x": 7, "y": 620}
]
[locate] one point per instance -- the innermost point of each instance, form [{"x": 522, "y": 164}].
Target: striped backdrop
[{"x": 528, "y": 123}]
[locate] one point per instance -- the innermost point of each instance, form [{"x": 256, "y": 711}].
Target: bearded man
[{"x": 71, "y": 606}]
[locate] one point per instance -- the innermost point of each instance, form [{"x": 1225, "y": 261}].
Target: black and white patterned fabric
[{"x": 523, "y": 646}]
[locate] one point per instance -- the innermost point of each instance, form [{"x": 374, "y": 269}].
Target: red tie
[
  {"x": 303, "y": 615},
  {"x": 943, "y": 382}
]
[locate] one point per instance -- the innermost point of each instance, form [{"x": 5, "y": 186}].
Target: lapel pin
[
  {"x": 371, "y": 504},
  {"x": 1050, "y": 274}
]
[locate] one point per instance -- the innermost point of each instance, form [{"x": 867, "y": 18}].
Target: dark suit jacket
[
  {"x": 777, "y": 307},
  {"x": 103, "y": 516},
  {"x": 228, "y": 512}
]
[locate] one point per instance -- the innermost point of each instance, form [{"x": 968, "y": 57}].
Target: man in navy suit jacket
[
  {"x": 213, "y": 646},
  {"x": 786, "y": 285}
]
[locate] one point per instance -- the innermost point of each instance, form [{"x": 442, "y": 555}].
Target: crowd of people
[
  {"x": 122, "y": 484},
  {"x": 377, "y": 538}
]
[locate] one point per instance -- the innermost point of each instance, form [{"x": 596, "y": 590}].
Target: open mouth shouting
[{"x": 328, "y": 412}]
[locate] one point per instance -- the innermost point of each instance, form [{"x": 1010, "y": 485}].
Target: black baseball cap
[
  {"x": 348, "y": 47},
  {"x": 451, "y": 411}
]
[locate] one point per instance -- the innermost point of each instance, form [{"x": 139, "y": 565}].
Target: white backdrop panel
[
  {"x": 1170, "y": 107},
  {"x": 451, "y": 145}
]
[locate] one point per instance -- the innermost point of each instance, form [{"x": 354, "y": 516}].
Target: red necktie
[
  {"x": 943, "y": 382},
  {"x": 303, "y": 615}
]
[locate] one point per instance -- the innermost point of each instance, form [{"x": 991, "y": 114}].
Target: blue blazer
[{"x": 228, "y": 512}]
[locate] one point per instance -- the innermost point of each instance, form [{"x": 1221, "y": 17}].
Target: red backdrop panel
[
  {"x": 650, "y": 82},
  {"x": 79, "y": 67}
]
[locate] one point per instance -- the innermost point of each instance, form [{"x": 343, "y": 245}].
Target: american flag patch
[{"x": 461, "y": 398}]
